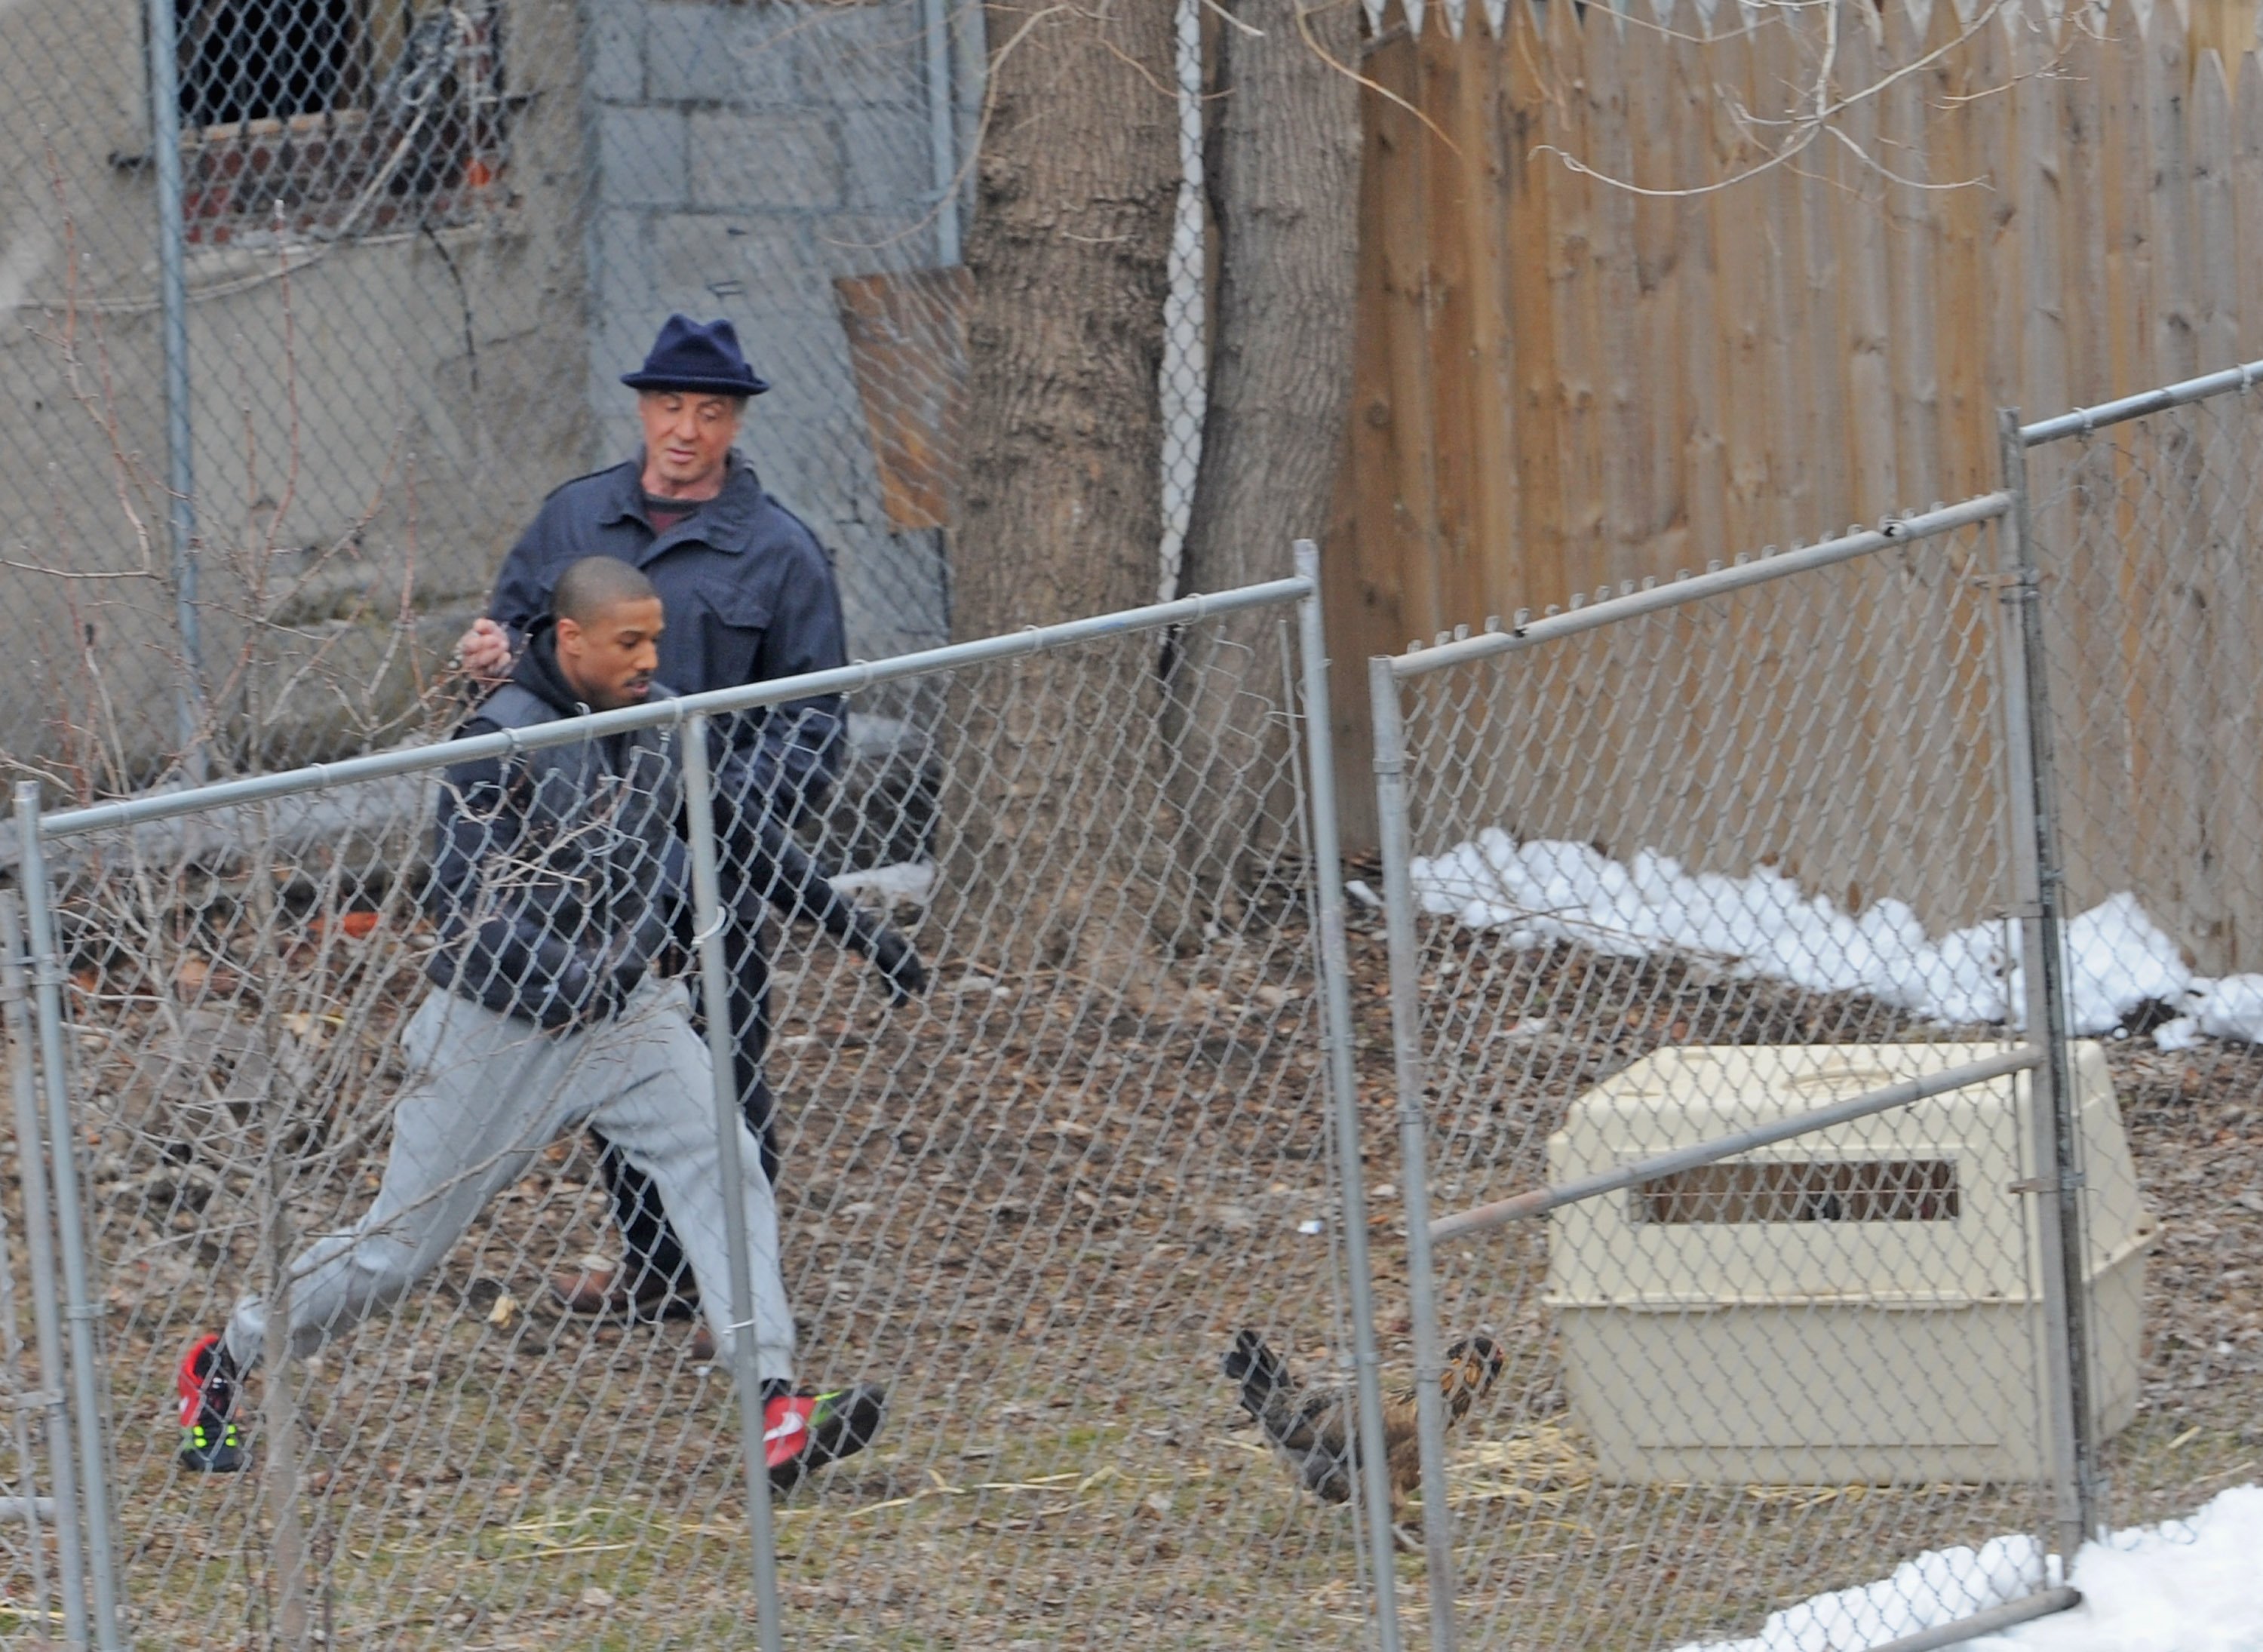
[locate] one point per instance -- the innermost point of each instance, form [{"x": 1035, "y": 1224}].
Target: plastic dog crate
[{"x": 1860, "y": 1304}]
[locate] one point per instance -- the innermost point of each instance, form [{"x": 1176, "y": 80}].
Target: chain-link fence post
[
  {"x": 1343, "y": 1092},
  {"x": 292, "y": 1621},
  {"x": 70, "y": 1221},
  {"x": 708, "y": 919},
  {"x": 2030, "y": 786},
  {"x": 173, "y": 302},
  {"x": 1405, "y": 956},
  {"x": 39, "y": 1252}
]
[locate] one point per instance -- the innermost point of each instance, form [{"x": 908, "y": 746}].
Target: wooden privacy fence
[{"x": 1561, "y": 384}]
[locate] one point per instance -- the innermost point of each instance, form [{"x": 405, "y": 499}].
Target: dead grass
[{"x": 1039, "y": 1217}]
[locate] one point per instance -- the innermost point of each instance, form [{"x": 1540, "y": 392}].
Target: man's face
[
  {"x": 687, "y": 434},
  {"x": 609, "y": 658}
]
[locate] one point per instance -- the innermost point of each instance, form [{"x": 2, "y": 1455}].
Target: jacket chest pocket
[{"x": 735, "y": 623}]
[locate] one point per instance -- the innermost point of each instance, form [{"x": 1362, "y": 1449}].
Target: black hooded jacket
[{"x": 557, "y": 873}]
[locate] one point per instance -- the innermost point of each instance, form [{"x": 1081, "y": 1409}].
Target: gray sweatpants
[{"x": 486, "y": 1095}]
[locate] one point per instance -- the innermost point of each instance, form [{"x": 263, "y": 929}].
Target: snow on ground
[
  {"x": 2182, "y": 1586},
  {"x": 1762, "y": 923}
]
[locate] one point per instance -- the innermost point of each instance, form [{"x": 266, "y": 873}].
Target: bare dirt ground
[{"x": 1038, "y": 1214}]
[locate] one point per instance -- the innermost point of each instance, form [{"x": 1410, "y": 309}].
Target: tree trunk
[
  {"x": 1053, "y": 849},
  {"x": 1283, "y": 175},
  {"x": 1063, "y": 509}
]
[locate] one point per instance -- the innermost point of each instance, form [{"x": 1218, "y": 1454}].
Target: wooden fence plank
[
  {"x": 2247, "y": 203},
  {"x": 1457, "y": 458},
  {"x": 1574, "y": 305},
  {"x": 1787, "y": 405},
  {"x": 1699, "y": 414},
  {"x": 1647, "y": 64},
  {"x": 1480, "y": 132},
  {"x": 1742, "y": 317},
  {"x": 2038, "y": 223},
  {"x": 1528, "y": 230},
  {"x": 2123, "y": 193},
  {"x": 1626, "y": 508},
  {"x": 1821, "y": 370},
  {"x": 2164, "y": 75},
  {"x": 1960, "y": 337},
  {"x": 1404, "y": 222},
  {"x": 1860, "y": 227},
  {"x": 1991, "y": 79},
  {"x": 2089, "y": 365},
  {"x": 1912, "y": 265}
]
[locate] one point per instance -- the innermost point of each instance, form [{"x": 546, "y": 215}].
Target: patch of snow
[
  {"x": 911, "y": 882},
  {"x": 2117, "y": 958},
  {"x": 1938, "y": 1587},
  {"x": 2231, "y": 1008},
  {"x": 1359, "y": 892},
  {"x": 1763, "y": 924},
  {"x": 2182, "y": 1586},
  {"x": 2183, "y": 1033}
]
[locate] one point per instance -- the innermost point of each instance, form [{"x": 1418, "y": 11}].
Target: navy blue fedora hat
[{"x": 691, "y": 355}]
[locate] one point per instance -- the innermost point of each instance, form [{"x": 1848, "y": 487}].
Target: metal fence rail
[{"x": 1038, "y": 1202}]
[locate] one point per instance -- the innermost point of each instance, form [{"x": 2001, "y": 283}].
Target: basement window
[
  {"x": 1837, "y": 1190},
  {"x": 268, "y": 59},
  {"x": 339, "y": 118}
]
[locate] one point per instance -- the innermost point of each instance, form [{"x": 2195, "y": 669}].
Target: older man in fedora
[{"x": 750, "y": 597}]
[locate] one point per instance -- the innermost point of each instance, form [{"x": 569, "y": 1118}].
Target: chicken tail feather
[{"x": 1259, "y": 1371}]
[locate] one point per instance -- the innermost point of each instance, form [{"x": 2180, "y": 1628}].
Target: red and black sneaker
[
  {"x": 802, "y": 1432},
  {"x": 210, "y": 1443}
]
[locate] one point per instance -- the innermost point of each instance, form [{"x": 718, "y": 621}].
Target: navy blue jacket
[
  {"x": 556, "y": 873},
  {"x": 751, "y": 597}
]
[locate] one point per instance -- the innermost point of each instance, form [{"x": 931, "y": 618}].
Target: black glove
[{"x": 898, "y": 965}]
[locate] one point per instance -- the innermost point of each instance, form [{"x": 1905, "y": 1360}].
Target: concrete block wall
[
  {"x": 384, "y": 420},
  {"x": 746, "y": 155}
]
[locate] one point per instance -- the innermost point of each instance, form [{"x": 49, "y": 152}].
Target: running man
[{"x": 557, "y": 881}]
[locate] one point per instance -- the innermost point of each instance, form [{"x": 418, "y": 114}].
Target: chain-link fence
[
  {"x": 1722, "y": 1135},
  {"x": 1052, "y": 1114}
]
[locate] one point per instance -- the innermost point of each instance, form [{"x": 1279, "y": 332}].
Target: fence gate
[
  {"x": 1723, "y": 1146},
  {"x": 2146, "y": 521}
]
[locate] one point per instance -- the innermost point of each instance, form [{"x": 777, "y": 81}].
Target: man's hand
[
  {"x": 483, "y": 652},
  {"x": 898, "y": 965}
]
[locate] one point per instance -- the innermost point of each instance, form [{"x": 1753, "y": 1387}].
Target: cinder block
[
  {"x": 620, "y": 257},
  {"x": 642, "y": 157},
  {"x": 747, "y": 265},
  {"x": 767, "y": 46},
  {"x": 890, "y": 162},
  {"x": 742, "y": 160},
  {"x": 614, "y": 45},
  {"x": 729, "y": 54}
]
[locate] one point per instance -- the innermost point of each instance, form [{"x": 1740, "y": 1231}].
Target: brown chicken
[{"x": 1313, "y": 1432}]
